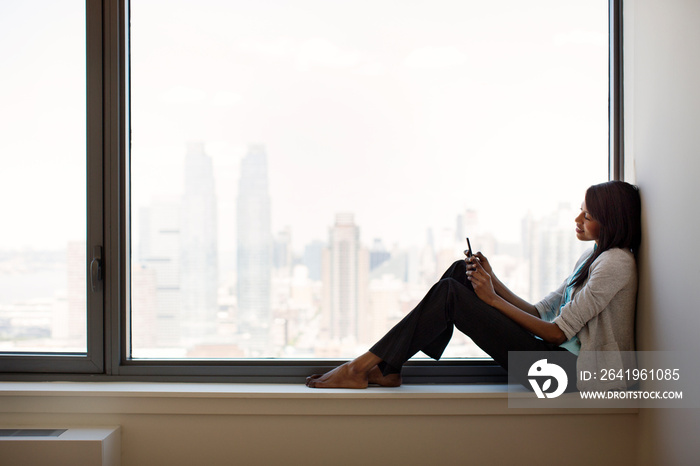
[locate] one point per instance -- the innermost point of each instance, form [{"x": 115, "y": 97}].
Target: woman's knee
[
  {"x": 457, "y": 294},
  {"x": 460, "y": 264},
  {"x": 449, "y": 283},
  {"x": 457, "y": 271}
]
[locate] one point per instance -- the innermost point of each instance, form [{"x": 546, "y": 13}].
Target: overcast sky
[{"x": 403, "y": 112}]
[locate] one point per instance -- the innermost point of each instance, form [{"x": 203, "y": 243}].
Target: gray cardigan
[{"x": 601, "y": 313}]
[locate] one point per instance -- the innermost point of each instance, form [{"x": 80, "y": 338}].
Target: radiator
[{"x": 94, "y": 446}]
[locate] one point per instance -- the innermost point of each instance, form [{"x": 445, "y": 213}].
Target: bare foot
[
  {"x": 375, "y": 376},
  {"x": 343, "y": 376},
  {"x": 353, "y": 374}
]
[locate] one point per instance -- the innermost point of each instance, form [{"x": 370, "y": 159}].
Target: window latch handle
[{"x": 96, "y": 268}]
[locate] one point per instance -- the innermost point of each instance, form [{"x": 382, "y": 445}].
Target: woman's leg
[
  {"x": 370, "y": 368},
  {"x": 428, "y": 328}
]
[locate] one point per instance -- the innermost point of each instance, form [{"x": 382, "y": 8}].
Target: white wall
[
  {"x": 662, "y": 125},
  {"x": 221, "y": 425}
]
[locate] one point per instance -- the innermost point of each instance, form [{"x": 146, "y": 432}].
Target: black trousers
[{"x": 450, "y": 303}]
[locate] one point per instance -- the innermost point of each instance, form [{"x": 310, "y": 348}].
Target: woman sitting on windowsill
[{"x": 593, "y": 310}]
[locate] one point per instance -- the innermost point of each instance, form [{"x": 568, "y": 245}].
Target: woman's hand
[
  {"x": 490, "y": 289},
  {"x": 481, "y": 259},
  {"x": 484, "y": 263},
  {"x": 481, "y": 280}
]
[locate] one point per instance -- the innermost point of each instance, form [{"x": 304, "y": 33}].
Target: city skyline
[
  {"x": 162, "y": 326},
  {"x": 361, "y": 289}
]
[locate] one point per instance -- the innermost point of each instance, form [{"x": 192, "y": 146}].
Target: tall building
[
  {"x": 346, "y": 276},
  {"x": 157, "y": 299},
  {"x": 378, "y": 254},
  {"x": 313, "y": 259},
  {"x": 282, "y": 252},
  {"x": 199, "y": 252},
  {"x": 145, "y": 327},
  {"x": 254, "y": 253}
]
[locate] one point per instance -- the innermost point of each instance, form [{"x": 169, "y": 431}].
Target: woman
[{"x": 591, "y": 311}]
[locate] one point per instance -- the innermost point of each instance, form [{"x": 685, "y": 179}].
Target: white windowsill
[{"x": 264, "y": 399}]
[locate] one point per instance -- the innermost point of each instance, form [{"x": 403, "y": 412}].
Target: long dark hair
[{"x": 617, "y": 207}]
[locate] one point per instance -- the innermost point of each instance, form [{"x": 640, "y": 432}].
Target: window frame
[
  {"x": 91, "y": 362},
  {"x": 108, "y": 207}
]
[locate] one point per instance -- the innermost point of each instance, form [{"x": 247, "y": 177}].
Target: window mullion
[{"x": 115, "y": 147}]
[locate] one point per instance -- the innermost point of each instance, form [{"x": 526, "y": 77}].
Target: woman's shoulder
[
  {"x": 618, "y": 254},
  {"x": 618, "y": 258}
]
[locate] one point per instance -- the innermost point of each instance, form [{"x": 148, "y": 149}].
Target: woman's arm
[
  {"x": 612, "y": 276},
  {"x": 499, "y": 287},
  {"x": 484, "y": 289}
]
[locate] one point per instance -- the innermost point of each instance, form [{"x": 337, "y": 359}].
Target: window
[
  {"x": 284, "y": 181},
  {"x": 43, "y": 184}
]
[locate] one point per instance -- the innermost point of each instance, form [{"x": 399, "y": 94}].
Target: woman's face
[{"x": 587, "y": 228}]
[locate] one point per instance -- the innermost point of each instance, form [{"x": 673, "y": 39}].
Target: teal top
[{"x": 573, "y": 344}]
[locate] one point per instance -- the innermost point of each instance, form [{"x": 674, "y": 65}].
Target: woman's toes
[{"x": 311, "y": 379}]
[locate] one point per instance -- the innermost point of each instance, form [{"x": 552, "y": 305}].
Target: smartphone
[{"x": 468, "y": 251}]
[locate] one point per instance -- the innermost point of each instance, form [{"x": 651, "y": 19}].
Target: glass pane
[
  {"x": 303, "y": 171},
  {"x": 42, "y": 181}
]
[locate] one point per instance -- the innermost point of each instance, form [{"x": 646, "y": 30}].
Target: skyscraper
[
  {"x": 378, "y": 254},
  {"x": 282, "y": 252},
  {"x": 345, "y": 284},
  {"x": 313, "y": 258},
  {"x": 156, "y": 292},
  {"x": 254, "y": 252},
  {"x": 198, "y": 236}
]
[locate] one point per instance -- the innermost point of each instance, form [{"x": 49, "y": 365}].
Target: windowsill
[{"x": 265, "y": 399}]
